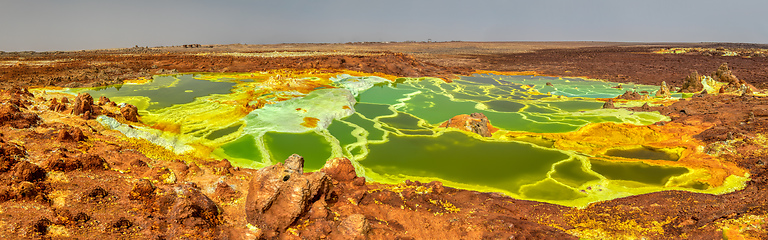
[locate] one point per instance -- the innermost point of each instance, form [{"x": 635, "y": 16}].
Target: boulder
[
  {"x": 130, "y": 112},
  {"x": 279, "y": 194},
  {"x": 191, "y": 208},
  {"x": 339, "y": 169},
  {"x": 103, "y": 101},
  {"x": 83, "y": 104}
]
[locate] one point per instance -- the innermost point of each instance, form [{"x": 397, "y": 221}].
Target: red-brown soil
[
  {"x": 65, "y": 176},
  {"x": 636, "y": 64}
]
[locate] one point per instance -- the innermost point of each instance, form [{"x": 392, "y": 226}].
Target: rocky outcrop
[
  {"x": 130, "y": 112},
  {"x": 26, "y": 171},
  {"x": 56, "y": 105},
  {"x": 692, "y": 83},
  {"x": 663, "y": 91},
  {"x": 11, "y": 114},
  {"x": 192, "y": 209},
  {"x": 633, "y": 95},
  {"x": 61, "y": 162},
  {"x": 340, "y": 169},
  {"x": 279, "y": 194},
  {"x": 724, "y": 74},
  {"x": 83, "y": 105},
  {"x": 609, "y": 104},
  {"x": 475, "y": 122},
  {"x": 74, "y": 134},
  {"x": 353, "y": 227}
]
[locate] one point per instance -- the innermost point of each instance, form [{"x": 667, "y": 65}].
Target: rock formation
[
  {"x": 279, "y": 194},
  {"x": 632, "y": 96},
  {"x": 340, "y": 169},
  {"x": 724, "y": 74},
  {"x": 609, "y": 104},
  {"x": 83, "y": 105},
  {"x": 692, "y": 83},
  {"x": 130, "y": 112},
  {"x": 663, "y": 91},
  {"x": 12, "y": 115},
  {"x": 475, "y": 122}
]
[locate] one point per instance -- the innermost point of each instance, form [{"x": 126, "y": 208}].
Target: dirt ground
[{"x": 62, "y": 175}]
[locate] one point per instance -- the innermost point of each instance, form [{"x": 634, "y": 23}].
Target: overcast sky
[{"x": 45, "y": 25}]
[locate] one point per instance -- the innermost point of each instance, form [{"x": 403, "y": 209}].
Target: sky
[{"x": 47, "y": 25}]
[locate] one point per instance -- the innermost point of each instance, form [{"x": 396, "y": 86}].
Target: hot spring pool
[{"x": 389, "y": 129}]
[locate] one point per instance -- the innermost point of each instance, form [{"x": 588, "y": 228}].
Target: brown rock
[
  {"x": 27, "y": 171},
  {"x": 646, "y": 107},
  {"x": 353, "y": 227},
  {"x": 692, "y": 83},
  {"x": 224, "y": 167},
  {"x": 609, "y": 104},
  {"x": 193, "y": 209},
  {"x": 41, "y": 226},
  {"x": 130, "y": 113},
  {"x": 9, "y": 153},
  {"x": 83, "y": 104},
  {"x": 295, "y": 163},
  {"x": 6, "y": 193},
  {"x": 93, "y": 162},
  {"x": 359, "y": 181},
  {"x": 25, "y": 190},
  {"x": 103, "y": 101},
  {"x": 437, "y": 187},
  {"x": 57, "y": 106},
  {"x": 724, "y": 74},
  {"x": 64, "y": 136},
  {"x": 475, "y": 122},
  {"x": 194, "y": 169},
  {"x": 11, "y": 115},
  {"x": 340, "y": 169},
  {"x": 60, "y": 162},
  {"x": 142, "y": 190},
  {"x": 318, "y": 210},
  {"x": 632, "y": 96},
  {"x": 224, "y": 192},
  {"x": 121, "y": 225},
  {"x": 62, "y": 216},
  {"x": 279, "y": 194},
  {"x": 96, "y": 194},
  {"x": 77, "y": 134}
]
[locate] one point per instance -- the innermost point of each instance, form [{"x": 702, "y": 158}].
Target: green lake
[{"x": 390, "y": 129}]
